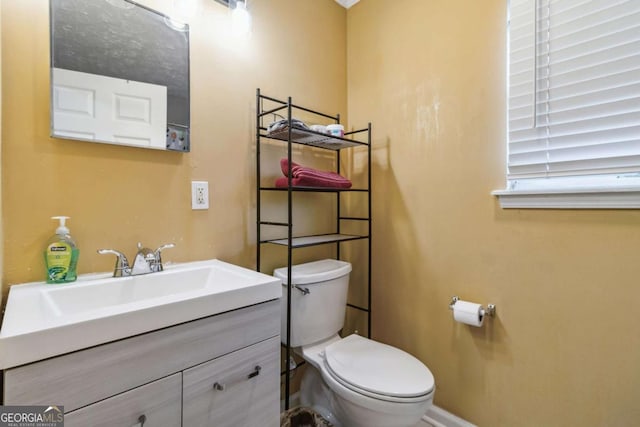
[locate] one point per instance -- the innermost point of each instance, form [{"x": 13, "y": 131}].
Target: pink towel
[
  {"x": 284, "y": 166},
  {"x": 282, "y": 182},
  {"x": 304, "y": 176}
]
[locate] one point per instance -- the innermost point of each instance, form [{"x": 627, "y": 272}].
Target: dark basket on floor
[{"x": 302, "y": 417}]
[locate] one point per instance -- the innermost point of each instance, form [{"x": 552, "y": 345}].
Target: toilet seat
[{"x": 377, "y": 370}]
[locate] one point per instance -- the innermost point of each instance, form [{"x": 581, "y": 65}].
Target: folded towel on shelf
[
  {"x": 284, "y": 124},
  {"x": 305, "y": 176},
  {"x": 282, "y": 182},
  {"x": 297, "y": 170},
  {"x": 284, "y": 166}
]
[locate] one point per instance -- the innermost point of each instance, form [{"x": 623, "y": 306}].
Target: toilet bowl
[
  {"x": 358, "y": 382},
  {"x": 352, "y": 381}
]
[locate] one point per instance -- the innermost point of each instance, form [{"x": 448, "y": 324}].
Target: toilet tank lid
[{"x": 314, "y": 272}]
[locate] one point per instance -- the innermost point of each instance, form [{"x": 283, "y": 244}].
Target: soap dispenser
[{"x": 61, "y": 255}]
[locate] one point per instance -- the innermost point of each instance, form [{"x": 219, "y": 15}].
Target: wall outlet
[{"x": 199, "y": 195}]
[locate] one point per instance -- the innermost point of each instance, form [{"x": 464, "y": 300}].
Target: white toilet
[{"x": 351, "y": 381}]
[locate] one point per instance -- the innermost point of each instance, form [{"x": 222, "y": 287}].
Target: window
[{"x": 574, "y": 104}]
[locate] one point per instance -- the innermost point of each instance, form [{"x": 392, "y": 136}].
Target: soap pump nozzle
[{"x": 62, "y": 228}]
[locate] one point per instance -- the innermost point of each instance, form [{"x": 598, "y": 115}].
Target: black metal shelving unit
[{"x": 267, "y": 106}]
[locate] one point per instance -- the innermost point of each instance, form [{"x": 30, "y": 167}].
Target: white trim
[
  {"x": 435, "y": 416},
  {"x": 347, "y": 3},
  {"x": 438, "y": 417},
  {"x": 609, "y": 198}
]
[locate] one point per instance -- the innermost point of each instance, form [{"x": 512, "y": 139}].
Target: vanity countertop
[{"x": 43, "y": 320}]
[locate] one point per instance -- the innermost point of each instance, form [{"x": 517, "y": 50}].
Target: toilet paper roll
[{"x": 468, "y": 313}]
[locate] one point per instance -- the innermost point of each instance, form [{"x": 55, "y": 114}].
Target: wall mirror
[{"x": 119, "y": 74}]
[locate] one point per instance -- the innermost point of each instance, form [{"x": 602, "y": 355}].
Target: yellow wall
[
  {"x": 118, "y": 196},
  {"x": 430, "y": 76},
  {"x": 565, "y": 347}
]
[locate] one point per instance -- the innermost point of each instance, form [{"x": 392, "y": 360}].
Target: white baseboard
[
  {"x": 438, "y": 417},
  {"x": 435, "y": 416}
]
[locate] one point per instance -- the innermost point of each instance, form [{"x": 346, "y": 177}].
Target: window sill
[{"x": 584, "y": 198}]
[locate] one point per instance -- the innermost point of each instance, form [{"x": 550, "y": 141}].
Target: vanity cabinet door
[
  {"x": 156, "y": 404},
  {"x": 238, "y": 389}
]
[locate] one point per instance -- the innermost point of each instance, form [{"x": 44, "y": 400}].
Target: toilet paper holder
[{"x": 489, "y": 311}]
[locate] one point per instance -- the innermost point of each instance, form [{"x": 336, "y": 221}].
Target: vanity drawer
[
  {"x": 71, "y": 379},
  {"x": 159, "y": 402},
  {"x": 246, "y": 395}
]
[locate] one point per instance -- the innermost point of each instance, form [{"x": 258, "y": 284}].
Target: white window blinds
[{"x": 574, "y": 88}]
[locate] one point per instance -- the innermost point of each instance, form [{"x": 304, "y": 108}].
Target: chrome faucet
[
  {"x": 122, "y": 267},
  {"x": 145, "y": 262}
]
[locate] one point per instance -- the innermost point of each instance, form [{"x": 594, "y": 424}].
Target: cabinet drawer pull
[
  {"x": 141, "y": 420},
  {"x": 222, "y": 386}
]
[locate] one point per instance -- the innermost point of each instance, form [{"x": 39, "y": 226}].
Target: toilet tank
[{"x": 318, "y": 303}]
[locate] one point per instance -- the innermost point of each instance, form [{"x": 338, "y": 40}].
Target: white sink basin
[{"x": 43, "y": 320}]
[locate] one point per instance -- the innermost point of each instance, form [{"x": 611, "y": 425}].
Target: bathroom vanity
[{"x": 216, "y": 370}]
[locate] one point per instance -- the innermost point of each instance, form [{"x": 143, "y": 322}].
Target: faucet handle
[
  {"x": 163, "y": 247},
  {"x": 122, "y": 264},
  {"x": 158, "y": 255}
]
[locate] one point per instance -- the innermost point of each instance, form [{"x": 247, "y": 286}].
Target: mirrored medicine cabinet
[{"x": 119, "y": 75}]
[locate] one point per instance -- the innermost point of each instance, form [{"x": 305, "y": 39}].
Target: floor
[
  {"x": 305, "y": 417},
  {"x": 302, "y": 417}
]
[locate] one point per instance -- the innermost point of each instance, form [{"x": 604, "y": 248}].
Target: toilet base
[{"x": 315, "y": 394}]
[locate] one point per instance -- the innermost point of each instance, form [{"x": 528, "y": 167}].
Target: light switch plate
[{"x": 199, "y": 195}]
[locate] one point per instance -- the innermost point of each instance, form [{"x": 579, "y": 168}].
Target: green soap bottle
[{"x": 61, "y": 255}]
